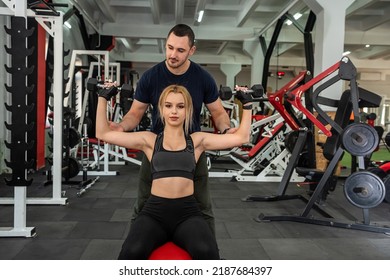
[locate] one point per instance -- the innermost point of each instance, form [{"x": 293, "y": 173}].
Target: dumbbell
[
  {"x": 257, "y": 91},
  {"x": 125, "y": 89}
]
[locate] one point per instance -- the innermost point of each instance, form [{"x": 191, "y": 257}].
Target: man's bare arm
[
  {"x": 219, "y": 115},
  {"x": 132, "y": 118}
]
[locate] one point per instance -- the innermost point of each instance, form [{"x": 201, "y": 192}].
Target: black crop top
[{"x": 173, "y": 163}]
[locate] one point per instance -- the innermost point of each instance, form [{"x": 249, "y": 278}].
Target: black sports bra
[{"x": 173, "y": 163}]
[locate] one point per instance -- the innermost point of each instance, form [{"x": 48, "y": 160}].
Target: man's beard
[{"x": 175, "y": 64}]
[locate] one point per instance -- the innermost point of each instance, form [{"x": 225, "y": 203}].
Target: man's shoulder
[
  {"x": 197, "y": 68},
  {"x": 155, "y": 68}
]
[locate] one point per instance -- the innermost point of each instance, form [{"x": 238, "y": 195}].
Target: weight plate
[
  {"x": 378, "y": 171},
  {"x": 386, "y": 181},
  {"x": 74, "y": 137},
  {"x": 360, "y": 139},
  {"x": 71, "y": 168},
  {"x": 364, "y": 189}
]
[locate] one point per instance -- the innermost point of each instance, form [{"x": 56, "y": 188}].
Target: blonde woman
[{"x": 171, "y": 213}]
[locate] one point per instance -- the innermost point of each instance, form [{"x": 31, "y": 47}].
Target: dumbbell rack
[
  {"x": 66, "y": 164},
  {"x": 18, "y": 127},
  {"x": 52, "y": 22}
]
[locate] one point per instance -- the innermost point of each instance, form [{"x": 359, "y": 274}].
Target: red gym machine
[{"x": 362, "y": 189}]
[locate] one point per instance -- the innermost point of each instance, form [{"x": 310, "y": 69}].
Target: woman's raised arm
[{"x": 132, "y": 140}]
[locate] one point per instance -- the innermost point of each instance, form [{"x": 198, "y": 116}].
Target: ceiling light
[
  {"x": 125, "y": 42},
  {"x": 67, "y": 24},
  {"x": 346, "y": 53},
  {"x": 297, "y": 15},
  {"x": 200, "y": 16}
]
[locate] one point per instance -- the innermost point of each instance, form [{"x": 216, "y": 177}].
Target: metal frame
[
  {"x": 347, "y": 71},
  {"x": 19, "y": 8},
  {"x": 272, "y": 151},
  {"x": 108, "y": 150},
  {"x": 56, "y": 31}
]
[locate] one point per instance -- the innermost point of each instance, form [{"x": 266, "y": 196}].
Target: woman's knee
[
  {"x": 136, "y": 251},
  {"x": 204, "y": 251}
]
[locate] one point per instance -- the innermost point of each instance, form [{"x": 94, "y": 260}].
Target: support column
[
  {"x": 329, "y": 39},
  {"x": 230, "y": 70},
  {"x": 253, "y": 50}
]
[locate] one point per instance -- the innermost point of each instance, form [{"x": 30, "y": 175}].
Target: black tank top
[{"x": 173, "y": 163}]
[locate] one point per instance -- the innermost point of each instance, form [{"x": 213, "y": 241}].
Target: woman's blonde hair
[{"x": 187, "y": 104}]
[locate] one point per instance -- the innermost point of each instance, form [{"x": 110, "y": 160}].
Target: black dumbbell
[
  {"x": 257, "y": 91},
  {"x": 125, "y": 89}
]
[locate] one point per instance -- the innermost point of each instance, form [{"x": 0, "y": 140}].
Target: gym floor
[{"x": 93, "y": 226}]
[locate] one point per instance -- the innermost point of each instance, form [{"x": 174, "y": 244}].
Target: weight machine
[
  {"x": 252, "y": 160},
  {"x": 362, "y": 189},
  {"x": 232, "y": 110},
  {"x": 267, "y": 159}
]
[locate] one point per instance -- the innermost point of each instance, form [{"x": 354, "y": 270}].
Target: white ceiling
[{"x": 140, "y": 28}]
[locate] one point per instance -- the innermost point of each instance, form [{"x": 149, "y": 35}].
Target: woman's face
[{"x": 174, "y": 110}]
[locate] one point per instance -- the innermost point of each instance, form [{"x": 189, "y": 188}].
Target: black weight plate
[
  {"x": 364, "y": 189},
  {"x": 71, "y": 168},
  {"x": 360, "y": 139},
  {"x": 386, "y": 181},
  {"x": 378, "y": 171},
  {"x": 74, "y": 137}
]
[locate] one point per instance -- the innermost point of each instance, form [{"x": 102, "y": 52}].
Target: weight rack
[
  {"x": 53, "y": 25},
  {"x": 18, "y": 127}
]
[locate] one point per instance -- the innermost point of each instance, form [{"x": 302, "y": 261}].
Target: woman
[{"x": 172, "y": 213}]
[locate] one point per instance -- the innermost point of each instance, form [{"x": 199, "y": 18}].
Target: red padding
[
  {"x": 259, "y": 117},
  {"x": 41, "y": 98},
  {"x": 95, "y": 141},
  {"x": 385, "y": 167},
  {"x": 169, "y": 251},
  {"x": 265, "y": 140}
]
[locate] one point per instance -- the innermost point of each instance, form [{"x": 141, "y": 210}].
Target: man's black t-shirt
[{"x": 200, "y": 84}]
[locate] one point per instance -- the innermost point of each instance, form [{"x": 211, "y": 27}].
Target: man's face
[{"x": 178, "y": 50}]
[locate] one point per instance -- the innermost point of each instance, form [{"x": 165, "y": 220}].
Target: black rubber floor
[{"x": 94, "y": 225}]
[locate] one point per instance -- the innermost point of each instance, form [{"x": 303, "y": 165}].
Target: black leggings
[{"x": 177, "y": 220}]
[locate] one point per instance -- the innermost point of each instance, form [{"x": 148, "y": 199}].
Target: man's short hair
[{"x": 182, "y": 30}]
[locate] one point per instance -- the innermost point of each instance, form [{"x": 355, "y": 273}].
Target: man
[{"x": 177, "y": 69}]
